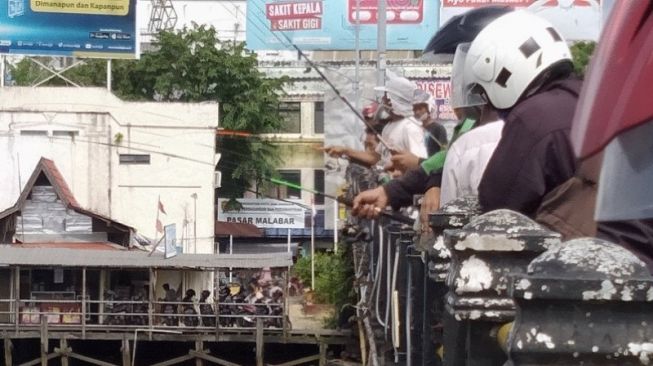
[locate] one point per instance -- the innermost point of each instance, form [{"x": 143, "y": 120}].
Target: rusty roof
[
  {"x": 13, "y": 255},
  {"x": 58, "y": 182},
  {"x": 236, "y": 229},
  {"x": 71, "y": 245},
  {"x": 48, "y": 168}
]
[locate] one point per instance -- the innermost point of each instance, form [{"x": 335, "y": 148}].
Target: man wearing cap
[
  {"x": 435, "y": 133},
  {"x": 402, "y": 133}
]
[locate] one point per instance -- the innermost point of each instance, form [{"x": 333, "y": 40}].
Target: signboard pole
[
  {"x": 289, "y": 240},
  {"x": 231, "y": 251},
  {"x": 335, "y": 224},
  {"x": 2, "y": 71},
  {"x": 109, "y": 79},
  {"x": 313, "y": 248}
]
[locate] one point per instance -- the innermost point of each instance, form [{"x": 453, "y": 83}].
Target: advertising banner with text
[
  {"x": 80, "y": 28},
  {"x": 331, "y": 24},
  {"x": 577, "y": 20},
  {"x": 264, "y": 213}
]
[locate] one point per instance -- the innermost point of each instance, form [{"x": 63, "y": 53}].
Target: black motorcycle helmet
[{"x": 461, "y": 28}]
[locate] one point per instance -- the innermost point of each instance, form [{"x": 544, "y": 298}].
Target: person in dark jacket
[{"x": 527, "y": 77}]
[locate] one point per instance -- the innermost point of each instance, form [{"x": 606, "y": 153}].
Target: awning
[
  {"x": 237, "y": 230},
  {"x": 47, "y": 257}
]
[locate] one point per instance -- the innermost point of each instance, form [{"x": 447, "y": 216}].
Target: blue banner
[
  {"x": 331, "y": 24},
  {"x": 80, "y": 28}
]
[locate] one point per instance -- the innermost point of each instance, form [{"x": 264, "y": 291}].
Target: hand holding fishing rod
[{"x": 367, "y": 210}]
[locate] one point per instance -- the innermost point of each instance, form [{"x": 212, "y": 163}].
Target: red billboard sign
[{"x": 397, "y": 11}]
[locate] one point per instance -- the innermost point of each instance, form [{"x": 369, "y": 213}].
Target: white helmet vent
[
  {"x": 503, "y": 77},
  {"x": 554, "y": 34},
  {"x": 529, "y": 47}
]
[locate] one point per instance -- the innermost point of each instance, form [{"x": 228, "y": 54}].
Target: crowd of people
[{"x": 515, "y": 94}]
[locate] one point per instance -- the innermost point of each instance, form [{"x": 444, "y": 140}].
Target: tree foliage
[
  {"x": 581, "y": 53},
  {"x": 27, "y": 72},
  {"x": 333, "y": 276},
  {"x": 193, "y": 65}
]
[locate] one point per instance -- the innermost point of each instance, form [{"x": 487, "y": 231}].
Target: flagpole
[{"x": 156, "y": 223}]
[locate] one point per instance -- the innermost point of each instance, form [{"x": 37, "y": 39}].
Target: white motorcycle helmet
[{"x": 509, "y": 54}]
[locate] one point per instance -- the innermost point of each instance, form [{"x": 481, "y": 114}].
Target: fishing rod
[
  {"x": 389, "y": 214},
  {"x": 338, "y": 94}
]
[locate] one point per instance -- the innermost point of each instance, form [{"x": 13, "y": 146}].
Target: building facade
[{"x": 135, "y": 162}]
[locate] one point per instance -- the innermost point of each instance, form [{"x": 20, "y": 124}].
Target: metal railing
[{"x": 131, "y": 314}]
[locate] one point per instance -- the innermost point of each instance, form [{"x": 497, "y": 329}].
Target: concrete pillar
[
  {"x": 586, "y": 301},
  {"x": 485, "y": 253}
]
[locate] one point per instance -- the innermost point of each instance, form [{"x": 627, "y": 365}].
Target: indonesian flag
[{"x": 159, "y": 226}]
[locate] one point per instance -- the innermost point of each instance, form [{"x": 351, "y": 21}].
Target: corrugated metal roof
[
  {"x": 75, "y": 245},
  {"x": 59, "y": 183},
  {"x": 238, "y": 230},
  {"x": 49, "y": 168},
  {"x": 13, "y": 256}
]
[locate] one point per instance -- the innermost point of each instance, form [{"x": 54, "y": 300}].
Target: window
[
  {"x": 318, "y": 176},
  {"x": 318, "y": 126},
  {"x": 291, "y": 114},
  {"x": 65, "y": 133},
  {"x": 33, "y": 133},
  {"x": 290, "y": 176},
  {"x": 134, "y": 158}
]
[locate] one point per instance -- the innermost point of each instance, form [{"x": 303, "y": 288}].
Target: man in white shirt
[
  {"x": 466, "y": 161},
  {"x": 403, "y": 133}
]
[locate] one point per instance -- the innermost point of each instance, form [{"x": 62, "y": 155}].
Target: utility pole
[{"x": 381, "y": 41}]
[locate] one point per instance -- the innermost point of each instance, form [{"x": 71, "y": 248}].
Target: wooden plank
[
  {"x": 44, "y": 341},
  {"x": 175, "y": 360},
  {"x": 213, "y": 359},
  {"x": 103, "y": 280},
  {"x": 8, "y": 352},
  {"x": 83, "y": 303},
  {"x": 63, "y": 351},
  {"x": 299, "y": 361},
  {"x": 37, "y": 361},
  {"x": 323, "y": 353},
  {"x": 199, "y": 348},
  {"x": 259, "y": 342},
  {"x": 17, "y": 297},
  {"x": 126, "y": 359},
  {"x": 90, "y": 360}
]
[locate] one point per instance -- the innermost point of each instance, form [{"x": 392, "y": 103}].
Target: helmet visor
[
  {"x": 463, "y": 94},
  {"x": 624, "y": 191}
]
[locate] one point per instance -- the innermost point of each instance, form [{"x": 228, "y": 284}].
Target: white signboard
[
  {"x": 265, "y": 213},
  {"x": 170, "y": 240},
  {"x": 576, "y": 20}
]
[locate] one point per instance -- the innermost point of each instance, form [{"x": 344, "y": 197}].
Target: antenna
[{"x": 162, "y": 17}]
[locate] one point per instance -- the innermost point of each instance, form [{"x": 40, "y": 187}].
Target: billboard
[
  {"x": 80, "y": 28},
  {"x": 264, "y": 213},
  {"x": 331, "y": 24},
  {"x": 440, "y": 89},
  {"x": 576, "y": 20}
]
